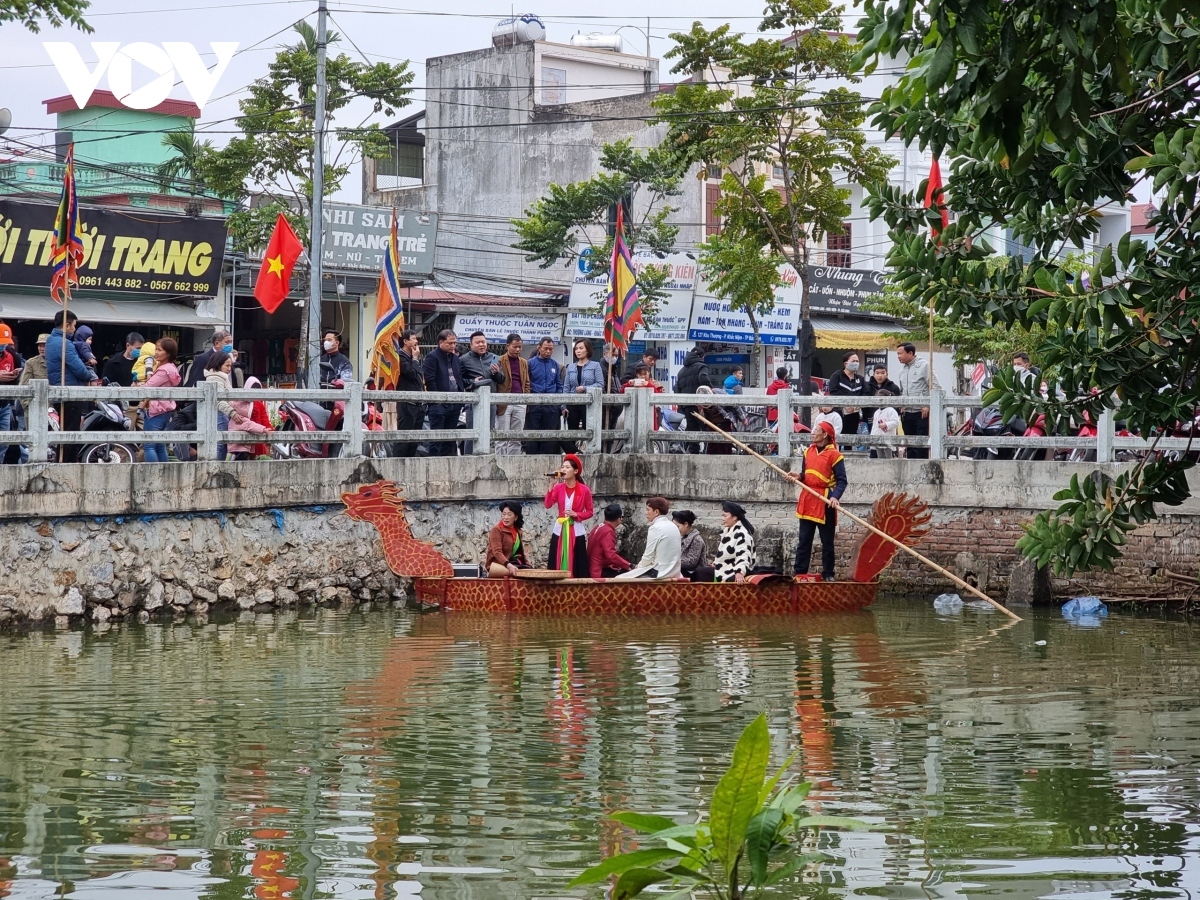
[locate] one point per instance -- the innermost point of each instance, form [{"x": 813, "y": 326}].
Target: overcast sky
[{"x": 377, "y": 29}]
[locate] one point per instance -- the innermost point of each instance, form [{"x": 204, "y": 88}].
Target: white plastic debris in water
[
  {"x": 1084, "y": 606},
  {"x": 947, "y": 603}
]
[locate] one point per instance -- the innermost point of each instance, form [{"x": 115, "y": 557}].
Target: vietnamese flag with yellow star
[{"x": 275, "y": 276}]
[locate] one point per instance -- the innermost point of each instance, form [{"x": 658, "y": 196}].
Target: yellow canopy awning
[{"x": 854, "y": 334}]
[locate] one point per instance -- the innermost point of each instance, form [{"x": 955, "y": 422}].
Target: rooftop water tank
[
  {"x": 515, "y": 30},
  {"x": 597, "y": 41}
]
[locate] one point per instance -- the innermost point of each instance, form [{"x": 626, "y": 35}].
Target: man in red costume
[{"x": 825, "y": 472}]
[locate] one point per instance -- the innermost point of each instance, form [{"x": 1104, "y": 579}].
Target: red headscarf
[{"x": 575, "y": 461}]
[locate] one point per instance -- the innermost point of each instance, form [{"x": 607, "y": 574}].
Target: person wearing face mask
[
  {"x": 1022, "y": 367},
  {"x": 847, "y": 382},
  {"x": 119, "y": 367},
  {"x": 220, "y": 341},
  {"x": 335, "y": 366}
]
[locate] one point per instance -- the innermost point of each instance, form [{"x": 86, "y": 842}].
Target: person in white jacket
[
  {"x": 886, "y": 422},
  {"x": 663, "y": 545}
]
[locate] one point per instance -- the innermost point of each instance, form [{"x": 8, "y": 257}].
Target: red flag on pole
[
  {"x": 932, "y": 189},
  {"x": 275, "y": 276}
]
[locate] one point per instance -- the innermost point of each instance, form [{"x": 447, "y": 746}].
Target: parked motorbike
[
  {"x": 302, "y": 416},
  {"x": 990, "y": 423},
  {"x": 105, "y": 416},
  {"x": 1036, "y": 428}
]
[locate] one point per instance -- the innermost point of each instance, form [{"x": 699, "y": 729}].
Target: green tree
[
  {"x": 573, "y": 219},
  {"x": 273, "y": 157},
  {"x": 786, "y": 148},
  {"x": 1051, "y": 110},
  {"x": 970, "y": 344},
  {"x": 182, "y": 170},
  {"x": 56, "y": 12}
]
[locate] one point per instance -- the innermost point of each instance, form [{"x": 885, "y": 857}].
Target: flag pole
[{"x": 62, "y": 376}]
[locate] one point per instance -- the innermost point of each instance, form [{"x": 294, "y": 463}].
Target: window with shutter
[
  {"x": 712, "y": 221},
  {"x": 837, "y": 248}
]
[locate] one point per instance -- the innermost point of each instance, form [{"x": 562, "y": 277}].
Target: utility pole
[{"x": 312, "y": 341}]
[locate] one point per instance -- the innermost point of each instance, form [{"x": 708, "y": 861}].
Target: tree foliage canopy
[
  {"x": 274, "y": 154},
  {"x": 786, "y": 148},
  {"x": 57, "y": 12},
  {"x": 1051, "y": 111}
]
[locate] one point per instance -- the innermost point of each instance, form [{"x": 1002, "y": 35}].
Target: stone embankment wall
[{"x": 133, "y": 541}]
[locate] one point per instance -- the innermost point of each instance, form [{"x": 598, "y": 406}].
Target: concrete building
[{"x": 501, "y": 125}]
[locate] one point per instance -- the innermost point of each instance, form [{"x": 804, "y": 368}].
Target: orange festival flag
[{"x": 275, "y": 276}]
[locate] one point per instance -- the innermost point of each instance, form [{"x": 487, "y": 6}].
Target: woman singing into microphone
[{"x": 568, "y": 544}]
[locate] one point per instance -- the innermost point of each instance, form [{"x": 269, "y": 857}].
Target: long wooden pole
[
  {"x": 865, "y": 524},
  {"x": 62, "y": 375}
]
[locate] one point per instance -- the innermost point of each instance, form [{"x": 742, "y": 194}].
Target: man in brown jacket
[{"x": 514, "y": 370}]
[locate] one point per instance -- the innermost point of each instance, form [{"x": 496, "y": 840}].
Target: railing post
[
  {"x": 783, "y": 406},
  {"x": 483, "y": 420},
  {"x": 595, "y": 420},
  {"x": 206, "y": 421},
  {"x": 639, "y": 417},
  {"x": 39, "y": 421},
  {"x": 354, "y": 419},
  {"x": 1106, "y": 429},
  {"x": 937, "y": 424}
]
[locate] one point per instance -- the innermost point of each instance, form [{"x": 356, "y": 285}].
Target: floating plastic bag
[
  {"x": 947, "y": 603},
  {"x": 1084, "y": 606}
]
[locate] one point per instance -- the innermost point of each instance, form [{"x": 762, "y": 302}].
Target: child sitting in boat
[{"x": 505, "y": 549}]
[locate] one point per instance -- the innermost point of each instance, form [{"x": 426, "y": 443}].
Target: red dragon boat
[{"x": 544, "y": 592}]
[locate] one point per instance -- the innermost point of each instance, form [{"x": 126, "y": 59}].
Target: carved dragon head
[{"x": 372, "y": 502}]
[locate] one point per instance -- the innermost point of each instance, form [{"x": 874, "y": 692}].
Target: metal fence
[{"x": 629, "y": 422}]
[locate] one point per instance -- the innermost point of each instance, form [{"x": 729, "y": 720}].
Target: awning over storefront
[
  {"x": 853, "y": 334},
  {"x": 17, "y": 307}
]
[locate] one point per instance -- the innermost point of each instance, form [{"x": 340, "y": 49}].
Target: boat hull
[{"x": 583, "y": 597}]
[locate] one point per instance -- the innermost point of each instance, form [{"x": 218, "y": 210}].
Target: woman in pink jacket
[
  {"x": 240, "y": 421},
  {"x": 568, "y": 544},
  {"x": 159, "y": 411}
]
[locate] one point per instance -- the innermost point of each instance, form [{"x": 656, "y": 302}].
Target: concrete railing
[{"x": 612, "y": 423}]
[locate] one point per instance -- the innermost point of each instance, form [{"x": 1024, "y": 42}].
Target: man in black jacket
[
  {"x": 443, "y": 372},
  {"x": 691, "y": 378},
  {"x": 410, "y": 416},
  {"x": 335, "y": 365},
  {"x": 220, "y": 341}
]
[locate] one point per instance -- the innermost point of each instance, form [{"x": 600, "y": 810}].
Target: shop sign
[
  {"x": 137, "y": 252},
  {"x": 671, "y": 323},
  {"x": 683, "y": 270},
  {"x": 499, "y": 326},
  {"x": 714, "y": 320},
  {"x": 354, "y": 238},
  {"x": 834, "y": 290}
]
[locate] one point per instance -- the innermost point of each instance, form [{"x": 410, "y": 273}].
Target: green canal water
[{"x": 382, "y": 754}]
